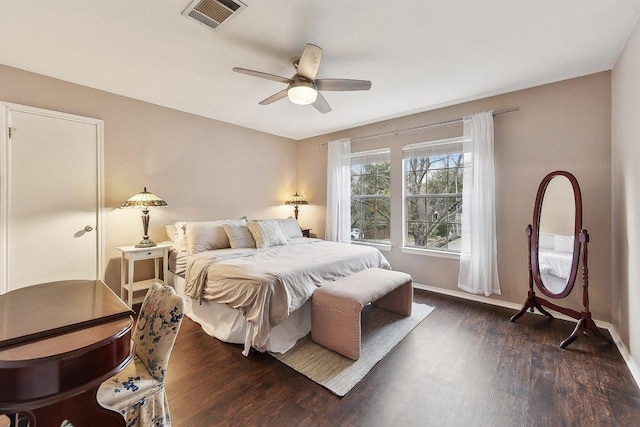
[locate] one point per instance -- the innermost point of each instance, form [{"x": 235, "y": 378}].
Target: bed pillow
[
  {"x": 290, "y": 228},
  {"x": 208, "y": 235},
  {"x": 546, "y": 241},
  {"x": 180, "y": 242},
  {"x": 239, "y": 236},
  {"x": 563, "y": 243},
  {"x": 172, "y": 233},
  {"x": 267, "y": 233}
]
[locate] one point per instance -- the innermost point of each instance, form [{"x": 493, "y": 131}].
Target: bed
[
  {"x": 254, "y": 287},
  {"x": 555, "y": 256}
]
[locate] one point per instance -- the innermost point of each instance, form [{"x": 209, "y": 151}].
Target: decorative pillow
[
  {"x": 181, "y": 240},
  {"x": 208, "y": 235},
  {"x": 290, "y": 228},
  {"x": 546, "y": 241},
  {"x": 172, "y": 233},
  {"x": 239, "y": 236},
  {"x": 267, "y": 233},
  {"x": 563, "y": 243}
]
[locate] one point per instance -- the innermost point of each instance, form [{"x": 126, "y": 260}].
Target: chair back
[{"x": 157, "y": 327}]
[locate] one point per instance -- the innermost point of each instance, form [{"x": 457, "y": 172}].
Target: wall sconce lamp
[
  {"x": 145, "y": 200},
  {"x": 296, "y": 201}
]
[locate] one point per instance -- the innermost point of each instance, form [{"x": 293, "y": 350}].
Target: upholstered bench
[{"x": 336, "y": 306}]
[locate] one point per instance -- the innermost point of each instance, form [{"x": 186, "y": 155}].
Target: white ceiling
[{"x": 419, "y": 54}]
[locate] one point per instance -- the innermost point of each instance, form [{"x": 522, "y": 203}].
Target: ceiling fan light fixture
[
  {"x": 302, "y": 93},
  {"x": 303, "y": 87}
]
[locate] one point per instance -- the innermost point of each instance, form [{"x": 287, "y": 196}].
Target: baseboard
[
  {"x": 496, "y": 302},
  {"x": 624, "y": 351}
]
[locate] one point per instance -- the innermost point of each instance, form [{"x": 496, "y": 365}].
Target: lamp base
[{"x": 146, "y": 243}]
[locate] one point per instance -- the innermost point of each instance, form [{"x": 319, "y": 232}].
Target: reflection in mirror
[{"x": 556, "y": 234}]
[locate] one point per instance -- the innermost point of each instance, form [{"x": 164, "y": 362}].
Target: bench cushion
[{"x": 367, "y": 285}]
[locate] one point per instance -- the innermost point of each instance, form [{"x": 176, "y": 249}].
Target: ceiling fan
[{"x": 303, "y": 86}]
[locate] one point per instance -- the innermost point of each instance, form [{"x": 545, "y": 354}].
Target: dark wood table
[{"x": 58, "y": 342}]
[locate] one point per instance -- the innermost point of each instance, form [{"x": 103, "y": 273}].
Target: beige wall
[
  {"x": 625, "y": 186},
  {"x": 204, "y": 169},
  {"x": 565, "y": 126},
  {"x": 207, "y": 169}
]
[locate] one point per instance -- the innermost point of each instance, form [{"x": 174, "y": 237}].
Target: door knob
[{"x": 88, "y": 228}]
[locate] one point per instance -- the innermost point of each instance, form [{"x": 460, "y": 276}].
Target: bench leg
[
  {"x": 336, "y": 325},
  {"x": 399, "y": 300}
]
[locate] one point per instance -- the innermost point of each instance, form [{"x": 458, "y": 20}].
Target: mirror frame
[{"x": 535, "y": 266}]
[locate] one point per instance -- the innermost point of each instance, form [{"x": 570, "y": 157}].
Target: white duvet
[
  {"x": 267, "y": 285},
  {"x": 555, "y": 263}
]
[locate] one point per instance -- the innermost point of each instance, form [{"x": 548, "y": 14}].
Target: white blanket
[
  {"x": 555, "y": 263},
  {"x": 269, "y": 284}
]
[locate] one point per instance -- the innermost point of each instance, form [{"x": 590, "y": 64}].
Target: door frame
[{"x": 5, "y": 183}]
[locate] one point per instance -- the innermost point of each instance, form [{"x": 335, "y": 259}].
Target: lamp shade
[
  {"x": 144, "y": 200},
  {"x": 296, "y": 200}
]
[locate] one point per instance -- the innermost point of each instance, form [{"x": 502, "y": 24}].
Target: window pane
[
  {"x": 370, "y": 198},
  {"x": 369, "y": 210},
  {"x": 438, "y": 162},
  {"x": 433, "y": 197},
  {"x": 383, "y": 210},
  {"x": 455, "y": 180}
]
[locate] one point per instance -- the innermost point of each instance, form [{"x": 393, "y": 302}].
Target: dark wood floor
[{"x": 464, "y": 365}]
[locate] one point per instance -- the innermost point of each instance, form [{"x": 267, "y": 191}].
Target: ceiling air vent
[{"x": 212, "y": 13}]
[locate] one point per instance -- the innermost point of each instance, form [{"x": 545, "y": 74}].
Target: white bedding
[
  {"x": 554, "y": 268},
  {"x": 268, "y": 285},
  {"x": 555, "y": 263},
  {"x": 229, "y": 325}
]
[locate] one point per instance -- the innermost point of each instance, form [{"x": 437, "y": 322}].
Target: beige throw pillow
[
  {"x": 267, "y": 233},
  {"x": 239, "y": 236},
  {"x": 290, "y": 228},
  {"x": 207, "y": 235}
]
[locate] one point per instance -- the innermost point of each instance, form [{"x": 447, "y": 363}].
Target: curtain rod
[{"x": 447, "y": 122}]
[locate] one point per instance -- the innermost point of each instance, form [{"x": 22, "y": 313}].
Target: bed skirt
[{"x": 229, "y": 325}]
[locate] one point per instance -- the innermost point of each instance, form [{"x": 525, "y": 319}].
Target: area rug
[{"x": 382, "y": 330}]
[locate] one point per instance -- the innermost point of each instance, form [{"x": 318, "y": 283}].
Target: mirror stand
[
  {"x": 585, "y": 324},
  {"x": 532, "y": 301}
]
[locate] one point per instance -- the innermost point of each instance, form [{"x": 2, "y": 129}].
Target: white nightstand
[{"x": 132, "y": 254}]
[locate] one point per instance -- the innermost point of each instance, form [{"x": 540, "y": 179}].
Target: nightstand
[
  {"x": 132, "y": 254},
  {"x": 306, "y": 232}
]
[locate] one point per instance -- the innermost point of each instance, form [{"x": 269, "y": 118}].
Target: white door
[{"x": 53, "y": 197}]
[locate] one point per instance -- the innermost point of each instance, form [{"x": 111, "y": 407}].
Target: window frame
[{"x": 445, "y": 252}]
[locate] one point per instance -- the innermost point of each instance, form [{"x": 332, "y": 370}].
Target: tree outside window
[
  {"x": 371, "y": 197},
  {"x": 433, "y": 175}
]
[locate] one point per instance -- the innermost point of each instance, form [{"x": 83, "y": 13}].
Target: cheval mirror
[{"x": 556, "y": 242}]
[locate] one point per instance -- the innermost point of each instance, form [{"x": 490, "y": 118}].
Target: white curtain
[
  {"x": 339, "y": 191},
  {"x": 478, "y": 252}
]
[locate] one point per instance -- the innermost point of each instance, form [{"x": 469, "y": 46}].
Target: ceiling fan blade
[
  {"x": 262, "y": 75},
  {"x": 275, "y": 97},
  {"x": 342, "y": 84},
  {"x": 310, "y": 61},
  {"x": 321, "y": 104}
]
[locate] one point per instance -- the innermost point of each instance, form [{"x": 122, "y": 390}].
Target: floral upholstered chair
[{"x": 137, "y": 391}]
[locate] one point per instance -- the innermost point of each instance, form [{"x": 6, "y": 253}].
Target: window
[
  {"x": 370, "y": 196},
  {"x": 433, "y": 175}
]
